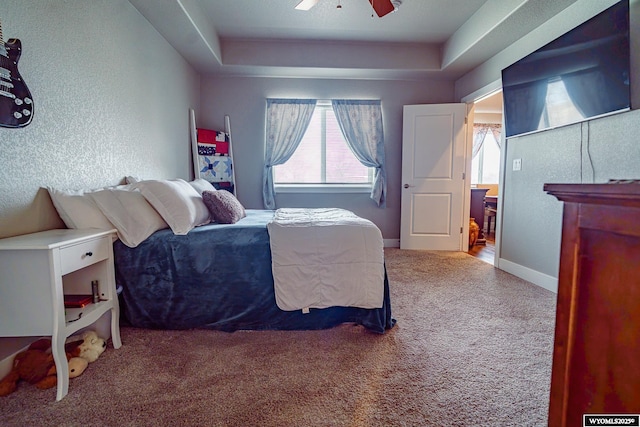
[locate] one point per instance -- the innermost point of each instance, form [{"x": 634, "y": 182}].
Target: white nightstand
[{"x": 36, "y": 270}]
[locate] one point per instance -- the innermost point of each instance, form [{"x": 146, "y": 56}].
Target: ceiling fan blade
[
  {"x": 382, "y": 7},
  {"x": 306, "y": 4}
]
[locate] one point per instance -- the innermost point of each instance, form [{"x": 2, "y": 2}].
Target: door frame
[{"x": 473, "y": 97}]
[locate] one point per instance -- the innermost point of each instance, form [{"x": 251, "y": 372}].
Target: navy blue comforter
[{"x": 219, "y": 277}]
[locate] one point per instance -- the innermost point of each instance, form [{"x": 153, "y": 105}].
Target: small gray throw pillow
[{"x": 223, "y": 206}]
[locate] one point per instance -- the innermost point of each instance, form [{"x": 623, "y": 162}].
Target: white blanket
[{"x": 326, "y": 257}]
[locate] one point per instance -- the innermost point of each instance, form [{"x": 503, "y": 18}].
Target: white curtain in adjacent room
[{"x": 480, "y": 131}]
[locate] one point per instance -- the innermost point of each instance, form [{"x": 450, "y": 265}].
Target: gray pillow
[{"x": 223, "y": 206}]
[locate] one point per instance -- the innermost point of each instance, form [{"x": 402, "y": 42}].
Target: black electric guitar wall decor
[{"x": 16, "y": 104}]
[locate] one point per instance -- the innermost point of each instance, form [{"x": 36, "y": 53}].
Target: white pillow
[
  {"x": 177, "y": 202},
  {"x": 131, "y": 214},
  {"x": 201, "y": 185},
  {"x": 78, "y": 210}
]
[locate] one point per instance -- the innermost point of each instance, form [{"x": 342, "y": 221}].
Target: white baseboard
[
  {"x": 545, "y": 281},
  {"x": 391, "y": 243}
]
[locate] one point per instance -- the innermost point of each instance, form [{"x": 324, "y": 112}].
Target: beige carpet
[{"x": 472, "y": 347}]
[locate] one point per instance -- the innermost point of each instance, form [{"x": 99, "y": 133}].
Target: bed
[
  {"x": 188, "y": 256},
  {"x": 219, "y": 276}
]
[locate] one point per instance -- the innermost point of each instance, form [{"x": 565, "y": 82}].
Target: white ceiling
[
  {"x": 424, "y": 39},
  {"x": 491, "y": 104},
  {"x": 415, "y": 21}
]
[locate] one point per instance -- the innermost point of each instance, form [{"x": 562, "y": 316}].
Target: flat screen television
[{"x": 581, "y": 75}]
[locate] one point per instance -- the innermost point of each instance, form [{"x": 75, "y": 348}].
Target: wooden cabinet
[
  {"x": 596, "y": 357},
  {"x": 37, "y": 270}
]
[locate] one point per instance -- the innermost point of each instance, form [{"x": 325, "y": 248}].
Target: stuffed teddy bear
[
  {"x": 36, "y": 365},
  {"x": 77, "y": 365},
  {"x": 474, "y": 231},
  {"x": 90, "y": 346}
]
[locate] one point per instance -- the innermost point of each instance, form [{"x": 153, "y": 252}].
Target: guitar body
[{"x": 16, "y": 103}]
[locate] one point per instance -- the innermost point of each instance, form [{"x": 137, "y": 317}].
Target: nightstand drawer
[{"x": 78, "y": 256}]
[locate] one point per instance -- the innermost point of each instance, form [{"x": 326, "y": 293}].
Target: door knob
[{"x": 407, "y": 186}]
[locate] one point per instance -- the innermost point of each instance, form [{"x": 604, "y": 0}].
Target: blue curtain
[
  {"x": 287, "y": 121},
  {"x": 361, "y": 125}
]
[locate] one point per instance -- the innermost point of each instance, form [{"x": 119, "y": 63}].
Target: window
[
  {"x": 323, "y": 157},
  {"x": 325, "y": 167},
  {"x": 485, "y": 166}
]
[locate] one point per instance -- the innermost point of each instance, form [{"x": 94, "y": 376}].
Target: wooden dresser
[{"x": 596, "y": 356}]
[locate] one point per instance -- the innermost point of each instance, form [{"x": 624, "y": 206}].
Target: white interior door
[{"x": 433, "y": 198}]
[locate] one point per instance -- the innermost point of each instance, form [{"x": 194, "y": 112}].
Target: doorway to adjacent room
[{"x": 485, "y": 170}]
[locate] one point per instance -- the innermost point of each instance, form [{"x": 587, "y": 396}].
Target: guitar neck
[{"x": 3, "y": 49}]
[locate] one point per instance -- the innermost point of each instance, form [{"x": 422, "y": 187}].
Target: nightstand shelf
[
  {"x": 37, "y": 270},
  {"x": 89, "y": 314}
]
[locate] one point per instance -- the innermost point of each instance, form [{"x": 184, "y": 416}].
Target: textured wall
[
  {"x": 243, "y": 99},
  {"x": 111, "y": 99},
  {"x": 590, "y": 152},
  {"x": 532, "y": 220}
]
